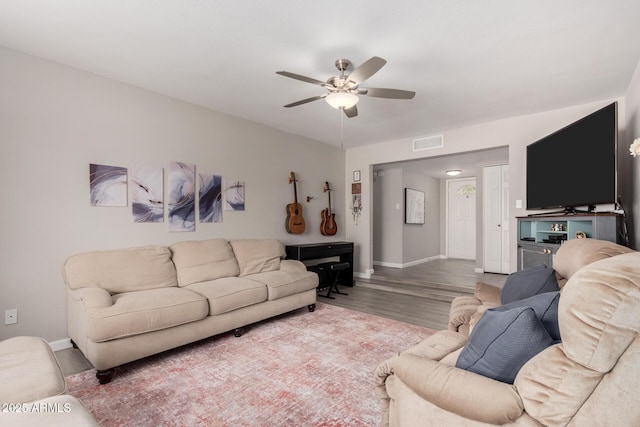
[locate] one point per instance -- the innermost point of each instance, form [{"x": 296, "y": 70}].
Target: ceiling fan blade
[
  {"x": 351, "y": 112},
  {"x": 390, "y": 93},
  {"x": 300, "y": 77},
  {"x": 366, "y": 70},
  {"x": 304, "y": 101}
]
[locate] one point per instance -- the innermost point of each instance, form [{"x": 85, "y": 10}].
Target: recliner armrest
[
  {"x": 488, "y": 293},
  {"x": 458, "y": 391},
  {"x": 462, "y": 308}
]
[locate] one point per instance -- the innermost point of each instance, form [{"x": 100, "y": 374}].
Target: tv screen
[{"x": 575, "y": 166}]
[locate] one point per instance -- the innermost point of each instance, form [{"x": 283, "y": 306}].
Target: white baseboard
[
  {"x": 60, "y": 344},
  {"x": 408, "y": 264},
  {"x": 387, "y": 264},
  {"x": 366, "y": 275}
]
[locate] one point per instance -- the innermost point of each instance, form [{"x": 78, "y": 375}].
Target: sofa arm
[
  {"x": 458, "y": 391},
  {"x": 292, "y": 265},
  {"x": 92, "y": 299}
]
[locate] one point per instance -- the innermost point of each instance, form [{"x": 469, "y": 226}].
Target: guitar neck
[{"x": 295, "y": 193}]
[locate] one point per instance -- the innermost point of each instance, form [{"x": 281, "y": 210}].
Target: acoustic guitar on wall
[
  {"x": 328, "y": 226},
  {"x": 295, "y": 222}
]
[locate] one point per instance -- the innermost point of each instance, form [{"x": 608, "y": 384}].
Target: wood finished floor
[{"x": 420, "y": 295}]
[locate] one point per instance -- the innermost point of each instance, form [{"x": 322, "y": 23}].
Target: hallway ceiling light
[{"x": 454, "y": 172}]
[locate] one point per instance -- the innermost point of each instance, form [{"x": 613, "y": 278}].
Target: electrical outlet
[{"x": 11, "y": 316}]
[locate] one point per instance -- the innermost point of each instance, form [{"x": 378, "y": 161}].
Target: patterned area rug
[{"x": 298, "y": 369}]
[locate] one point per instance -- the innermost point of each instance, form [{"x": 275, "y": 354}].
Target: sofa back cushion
[
  {"x": 200, "y": 261},
  {"x": 257, "y": 256},
  {"x": 123, "y": 270}
]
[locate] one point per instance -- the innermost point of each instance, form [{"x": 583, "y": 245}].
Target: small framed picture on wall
[{"x": 356, "y": 176}]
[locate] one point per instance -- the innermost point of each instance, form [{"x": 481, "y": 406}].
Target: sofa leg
[
  {"x": 237, "y": 332},
  {"x": 104, "y": 376},
  {"x": 73, "y": 344},
  {"x": 311, "y": 307}
]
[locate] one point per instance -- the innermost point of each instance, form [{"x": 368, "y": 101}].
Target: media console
[{"x": 539, "y": 237}]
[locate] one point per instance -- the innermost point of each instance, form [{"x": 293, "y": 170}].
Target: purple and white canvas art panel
[
  {"x": 107, "y": 185},
  {"x": 233, "y": 195},
  {"x": 182, "y": 196},
  {"x": 147, "y": 194},
  {"x": 210, "y": 198}
]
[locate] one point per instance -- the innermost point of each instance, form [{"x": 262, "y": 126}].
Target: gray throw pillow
[
  {"x": 546, "y": 308},
  {"x": 527, "y": 283},
  {"x": 502, "y": 342}
]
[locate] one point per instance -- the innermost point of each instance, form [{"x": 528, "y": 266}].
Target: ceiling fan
[{"x": 343, "y": 91}]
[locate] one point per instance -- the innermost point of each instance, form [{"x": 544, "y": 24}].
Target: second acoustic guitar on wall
[{"x": 328, "y": 226}]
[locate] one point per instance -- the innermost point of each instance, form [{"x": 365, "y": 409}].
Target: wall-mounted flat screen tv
[{"x": 575, "y": 166}]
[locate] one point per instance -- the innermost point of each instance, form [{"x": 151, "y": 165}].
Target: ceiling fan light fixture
[
  {"x": 340, "y": 100},
  {"x": 454, "y": 172}
]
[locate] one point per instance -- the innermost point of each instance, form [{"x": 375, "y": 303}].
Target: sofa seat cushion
[
  {"x": 281, "y": 284},
  {"x": 230, "y": 293},
  {"x": 202, "y": 260},
  {"x": 29, "y": 371},
  {"x": 135, "y": 313}
]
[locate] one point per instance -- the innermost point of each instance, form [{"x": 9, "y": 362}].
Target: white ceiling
[{"x": 469, "y": 61}]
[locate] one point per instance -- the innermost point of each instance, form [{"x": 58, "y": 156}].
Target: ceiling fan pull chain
[{"x": 342, "y": 128}]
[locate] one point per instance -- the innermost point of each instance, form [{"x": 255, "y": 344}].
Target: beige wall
[
  {"x": 422, "y": 241},
  {"x": 396, "y": 244},
  {"x": 55, "y": 120},
  {"x": 515, "y": 133}
]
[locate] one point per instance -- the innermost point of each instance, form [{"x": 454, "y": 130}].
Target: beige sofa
[
  {"x": 127, "y": 304},
  {"x": 32, "y": 387},
  {"x": 588, "y": 379}
]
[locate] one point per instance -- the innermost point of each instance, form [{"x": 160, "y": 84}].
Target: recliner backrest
[
  {"x": 599, "y": 318},
  {"x": 577, "y": 253}
]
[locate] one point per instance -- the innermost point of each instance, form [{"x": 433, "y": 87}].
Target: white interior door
[
  {"x": 495, "y": 209},
  {"x": 461, "y": 218}
]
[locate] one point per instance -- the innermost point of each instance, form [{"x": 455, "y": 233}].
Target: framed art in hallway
[{"x": 413, "y": 206}]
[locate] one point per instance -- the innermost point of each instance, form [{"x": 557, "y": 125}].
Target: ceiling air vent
[{"x": 428, "y": 143}]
